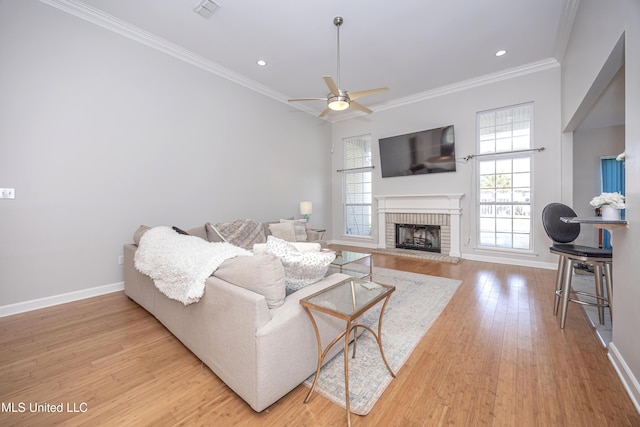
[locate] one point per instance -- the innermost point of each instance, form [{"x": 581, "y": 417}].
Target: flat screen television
[{"x": 427, "y": 151}]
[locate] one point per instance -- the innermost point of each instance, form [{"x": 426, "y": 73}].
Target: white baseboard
[
  {"x": 629, "y": 381},
  {"x": 359, "y": 243},
  {"x": 510, "y": 261},
  {"x": 21, "y": 307}
]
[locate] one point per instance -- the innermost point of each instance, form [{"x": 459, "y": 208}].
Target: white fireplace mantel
[
  {"x": 423, "y": 203},
  {"x": 420, "y": 203}
]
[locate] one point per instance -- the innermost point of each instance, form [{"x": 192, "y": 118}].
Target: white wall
[
  {"x": 592, "y": 27},
  {"x": 627, "y": 288},
  {"x": 100, "y": 134},
  {"x": 460, "y": 108},
  {"x": 586, "y": 56}
]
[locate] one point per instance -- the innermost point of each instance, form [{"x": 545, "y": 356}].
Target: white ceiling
[{"x": 413, "y": 47}]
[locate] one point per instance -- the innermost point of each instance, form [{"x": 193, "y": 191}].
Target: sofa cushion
[
  {"x": 285, "y": 231},
  {"x": 300, "y": 268},
  {"x": 265, "y": 227},
  {"x": 262, "y": 274},
  {"x": 198, "y": 231},
  {"x": 300, "y": 227},
  {"x": 138, "y": 234}
]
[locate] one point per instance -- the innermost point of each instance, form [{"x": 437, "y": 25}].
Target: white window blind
[
  {"x": 504, "y": 178},
  {"x": 357, "y": 189}
]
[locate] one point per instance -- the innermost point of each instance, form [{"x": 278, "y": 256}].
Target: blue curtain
[{"x": 612, "y": 181}]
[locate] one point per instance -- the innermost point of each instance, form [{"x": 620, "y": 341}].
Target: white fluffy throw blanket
[{"x": 178, "y": 264}]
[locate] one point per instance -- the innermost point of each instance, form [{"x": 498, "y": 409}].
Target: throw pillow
[
  {"x": 262, "y": 274},
  {"x": 241, "y": 232},
  {"x": 261, "y": 248},
  {"x": 212, "y": 233},
  {"x": 300, "y": 227},
  {"x": 284, "y": 231},
  {"x": 300, "y": 268}
]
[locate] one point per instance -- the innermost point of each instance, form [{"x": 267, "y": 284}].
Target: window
[
  {"x": 504, "y": 177},
  {"x": 357, "y": 186},
  {"x": 612, "y": 180}
]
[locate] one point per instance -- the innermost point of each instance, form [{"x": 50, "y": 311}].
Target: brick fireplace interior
[
  {"x": 416, "y": 222},
  {"x": 419, "y": 237}
]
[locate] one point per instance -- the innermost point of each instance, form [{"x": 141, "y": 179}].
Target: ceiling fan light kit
[
  {"x": 338, "y": 99},
  {"x": 338, "y": 102}
]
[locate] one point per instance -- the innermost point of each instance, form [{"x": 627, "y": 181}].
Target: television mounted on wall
[{"x": 424, "y": 152}]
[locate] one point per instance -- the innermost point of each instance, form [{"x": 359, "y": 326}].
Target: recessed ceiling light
[
  {"x": 501, "y": 52},
  {"x": 261, "y": 62}
]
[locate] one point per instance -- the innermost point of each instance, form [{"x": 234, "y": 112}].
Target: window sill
[
  {"x": 506, "y": 251},
  {"x": 355, "y": 237}
]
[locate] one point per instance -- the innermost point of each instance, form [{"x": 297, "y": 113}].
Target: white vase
[{"x": 610, "y": 213}]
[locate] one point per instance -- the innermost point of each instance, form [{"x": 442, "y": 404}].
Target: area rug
[{"x": 412, "y": 309}]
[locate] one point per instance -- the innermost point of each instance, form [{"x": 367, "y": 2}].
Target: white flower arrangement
[
  {"x": 616, "y": 200},
  {"x": 622, "y": 156}
]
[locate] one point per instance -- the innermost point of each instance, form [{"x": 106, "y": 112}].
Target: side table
[
  {"x": 320, "y": 231},
  {"x": 347, "y": 300},
  {"x": 344, "y": 258}
]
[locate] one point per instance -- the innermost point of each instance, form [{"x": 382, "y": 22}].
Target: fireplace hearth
[{"x": 418, "y": 237}]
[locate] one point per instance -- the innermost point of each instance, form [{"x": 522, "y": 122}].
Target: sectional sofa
[{"x": 261, "y": 350}]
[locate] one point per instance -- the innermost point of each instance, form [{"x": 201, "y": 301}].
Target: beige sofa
[{"x": 261, "y": 353}]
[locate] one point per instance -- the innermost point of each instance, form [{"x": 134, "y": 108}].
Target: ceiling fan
[{"x": 338, "y": 99}]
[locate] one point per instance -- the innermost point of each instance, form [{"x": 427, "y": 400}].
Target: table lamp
[{"x": 306, "y": 208}]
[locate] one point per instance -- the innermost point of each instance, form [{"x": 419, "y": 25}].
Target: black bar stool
[{"x": 562, "y": 235}]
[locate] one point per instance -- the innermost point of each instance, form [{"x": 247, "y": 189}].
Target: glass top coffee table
[
  {"x": 347, "y": 257},
  {"x": 347, "y": 300}
]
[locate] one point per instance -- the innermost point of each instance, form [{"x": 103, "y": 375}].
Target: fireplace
[
  {"x": 418, "y": 237},
  {"x": 442, "y": 210}
]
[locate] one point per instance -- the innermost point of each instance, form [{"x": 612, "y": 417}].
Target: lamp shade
[{"x": 306, "y": 208}]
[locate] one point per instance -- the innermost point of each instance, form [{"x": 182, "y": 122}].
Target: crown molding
[
  {"x": 510, "y": 73},
  {"x": 565, "y": 26},
  {"x": 111, "y": 23}
]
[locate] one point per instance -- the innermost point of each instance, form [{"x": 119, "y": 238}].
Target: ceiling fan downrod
[{"x": 337, "y": 21}]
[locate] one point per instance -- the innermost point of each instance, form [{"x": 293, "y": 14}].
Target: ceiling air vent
[{"x": 206, "y": 8}]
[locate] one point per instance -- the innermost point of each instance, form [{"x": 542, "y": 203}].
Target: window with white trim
[
  {"x": 505, "y": 177},
  {"x": 357, "y": 194}
]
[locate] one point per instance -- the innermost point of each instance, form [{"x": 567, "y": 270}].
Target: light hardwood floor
[{"x": 495, "y": 357}]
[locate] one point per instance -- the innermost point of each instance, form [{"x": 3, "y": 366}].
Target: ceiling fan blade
[
  {"x": 360, "y": 107},
  {"x": 307, "y": 99},
  {"x": 331, "y": 85},
  {"x": 361, "y": 93},
  {"x": 324, "y": 113}
]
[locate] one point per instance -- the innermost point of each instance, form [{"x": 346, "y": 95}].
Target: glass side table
[
  {"x": 347, "y": 300},
  {"x": 343, "y": 258}
]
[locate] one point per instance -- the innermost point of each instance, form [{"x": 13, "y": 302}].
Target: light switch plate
[{"x": 7, "y": 193}]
